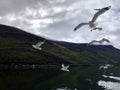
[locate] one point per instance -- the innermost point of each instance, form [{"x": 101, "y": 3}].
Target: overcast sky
[{"x": 56, "y": 19}]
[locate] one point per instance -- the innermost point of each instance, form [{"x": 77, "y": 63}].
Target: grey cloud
[
  {"x": 57, "y": 18},
  {"x": 8, "y": 6}
]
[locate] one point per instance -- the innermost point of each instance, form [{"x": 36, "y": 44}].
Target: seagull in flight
[
  {"x": 92, "y": 23},
  {"x": 64, "y": 68},
  {"x": 105, "y": 66},
  {"x": 100, "y": 41},
  {"x": 38, "y": 45}
]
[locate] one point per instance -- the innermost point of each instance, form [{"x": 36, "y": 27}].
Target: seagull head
[
  {"x": 75, "y": 29},
  {"x": 107, "y": 8}
]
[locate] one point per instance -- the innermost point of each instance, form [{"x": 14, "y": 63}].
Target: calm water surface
[{"x": 79, "y": 78}]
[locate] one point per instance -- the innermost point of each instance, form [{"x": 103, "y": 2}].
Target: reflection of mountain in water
[
  {"x": 87, "y": 78},
  {"x": 80, "y": 78},
  {"x": 64, "y": 88},
  {"x": 110, "y": 85}
]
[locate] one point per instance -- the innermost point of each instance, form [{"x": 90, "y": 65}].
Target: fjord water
[{"x": 79, "y": 78}]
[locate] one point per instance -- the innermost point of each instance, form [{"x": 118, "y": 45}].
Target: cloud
[{"x": 56, "y": 18}]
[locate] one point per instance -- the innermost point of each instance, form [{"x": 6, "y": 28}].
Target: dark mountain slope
[
  {"x": 16, "y": 47},
  {"x": 99, "y": 53}
]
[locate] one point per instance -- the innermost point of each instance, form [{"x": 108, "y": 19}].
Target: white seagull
[
  {"x": 99, "y": 41},
  {"x": 105, "y": 66},
  {"x": 92, "y": 23},
  {"x": 64, "y": 68},
  {"x": 38, "y": 45}
]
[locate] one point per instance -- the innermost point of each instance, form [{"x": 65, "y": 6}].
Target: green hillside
[{"x": 16, "y": 47}]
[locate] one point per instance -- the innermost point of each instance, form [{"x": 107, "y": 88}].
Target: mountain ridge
[{"x": 16, "y": 47}]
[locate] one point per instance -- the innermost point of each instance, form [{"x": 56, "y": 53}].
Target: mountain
[
  {"x": 16, "y": 47},
  {"x": 95, "y": 54}
]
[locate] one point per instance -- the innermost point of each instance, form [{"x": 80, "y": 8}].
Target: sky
[{"x": 56, "y": 19}]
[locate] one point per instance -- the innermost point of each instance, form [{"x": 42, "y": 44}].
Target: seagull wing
[
  {"x": 63, "y": 65},
  {"x": 92, "y": 42},
  {"x": 80, "y": 25},
  {"x": 106, "y": 40},
  {"x": 100, "y": 12},
  {"x": 97, "y": 14},
  {"x": 39, "y": 44},
  {"x": 67, "y": 66}
]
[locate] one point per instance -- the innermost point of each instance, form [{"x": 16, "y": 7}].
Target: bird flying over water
[
  {"x": 38, "y": 45},
  {"x": 92, "y": 23},
  {"x": 64, "y": 68},
  {"x": 99, "y": 41}
]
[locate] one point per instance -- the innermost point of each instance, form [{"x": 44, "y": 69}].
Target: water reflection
[
  {"x": 64, "y": 88},
  {"x": 106, "y": 66},
  {"x": 78, "y": 78},
  {"x": 108, "y": 85},
  {"x": 112, "y": 77}
]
